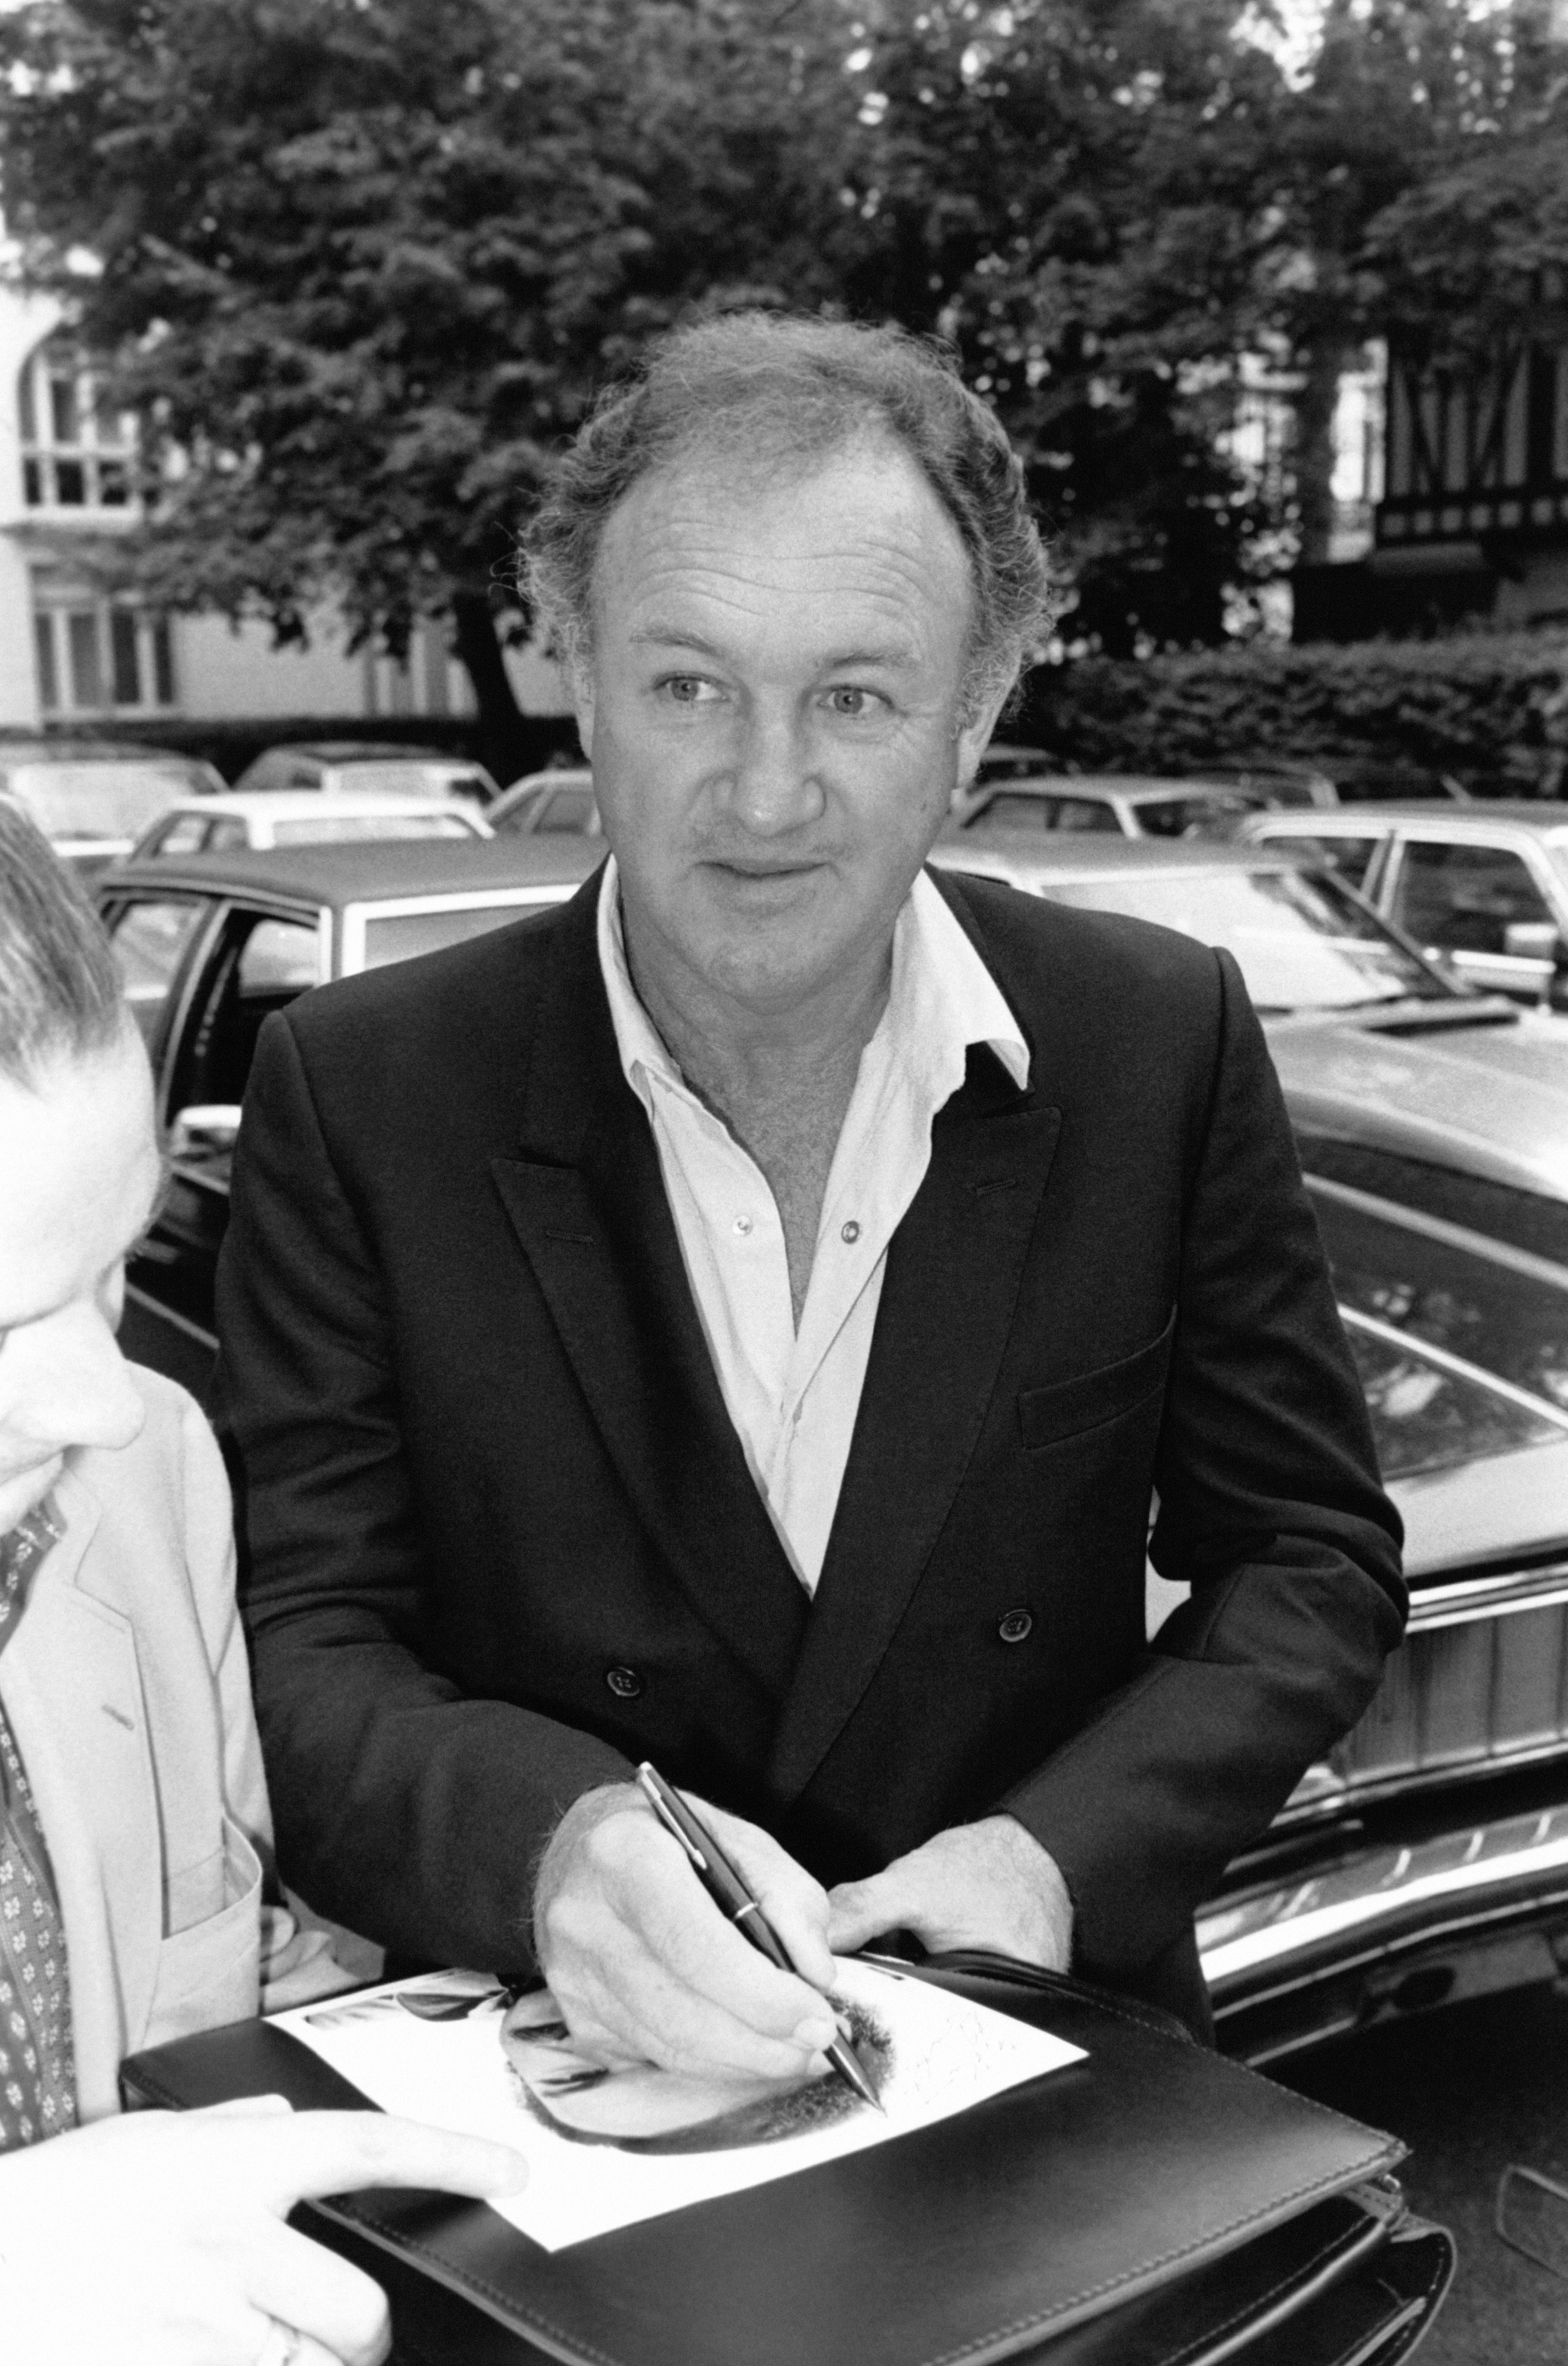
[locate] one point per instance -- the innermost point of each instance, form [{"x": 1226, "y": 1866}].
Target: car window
[
  {"x": 1462, "y": 898},
  {"x": 187, "y": 834},
  {"x": 261, "y": 964},
  {"x": 1523, "y": 1220},
  {"x": 1302, "y": 940},
  {"x": 1350, "y": 857},
  {"x": 335, "y": 828},
  {"x": 149, "y": 941},
  {"x": 1505, "y": 1317},
  {"x": 299, "y": 776},
  {"x": 1426, "y": 1418},
  {"x": 398, "y": 936},
  {"x": 228, "y": 836},
  {"x": 1184, "y": 816},
  {"x": 522, "y": 816},
  {"x": 469, "y": 784},
  {"x": 392, "y": 776},
  {"x": 567, "y": 811},
  {"x": 1013, "y": 809}
]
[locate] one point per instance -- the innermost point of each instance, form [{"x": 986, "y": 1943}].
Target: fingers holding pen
[{"x": 645, "y": 1966}]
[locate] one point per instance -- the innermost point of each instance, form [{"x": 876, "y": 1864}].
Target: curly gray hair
[{"x": 781, "y": 391}]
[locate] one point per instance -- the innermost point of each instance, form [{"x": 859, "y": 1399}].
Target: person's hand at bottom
[
  {"x": 987, "y": 1885},
  {"x": 646, "y": 1968},
  {"x": 159, "y": 2239}
]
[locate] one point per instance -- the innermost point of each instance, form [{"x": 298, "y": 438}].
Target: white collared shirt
[{"x": 793, "y": 1396}]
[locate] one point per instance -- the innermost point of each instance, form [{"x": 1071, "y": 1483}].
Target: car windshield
[
  {"x": 398, "y": 936},
  {"x": 395, "y": 777},
  {"x": 1493, "y": 1322},
  {"x": 1303, "y": 942},
  {"x": 108, "y": 799},
  {"x": 332, "y": 828},
  {"x": 1167, "y": 817}
]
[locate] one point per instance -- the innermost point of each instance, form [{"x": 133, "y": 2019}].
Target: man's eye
[
  {"x": 689, "y": 689},
  {"x": 846, "y": 700}
]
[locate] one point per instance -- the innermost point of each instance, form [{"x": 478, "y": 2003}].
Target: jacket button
[
  {"x": 624, "y": 1682},
  {"x": 1017, "y": 1626}
]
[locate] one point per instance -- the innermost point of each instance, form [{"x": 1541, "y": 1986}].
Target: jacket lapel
[
  {"x": 72, "y": 1693},
  {"x": 948, "y": 1295},
  {"x": 587, "y": 1201}
]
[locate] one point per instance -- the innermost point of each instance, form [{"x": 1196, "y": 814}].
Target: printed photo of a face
[{"x": 642, "y": 2109}]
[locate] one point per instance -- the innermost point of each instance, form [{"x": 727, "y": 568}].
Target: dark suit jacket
[{"x": 502, "y": 1542}]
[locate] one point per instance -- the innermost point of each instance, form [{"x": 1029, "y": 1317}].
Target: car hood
[
  {"x": 1491, "y": 1099},
  {"x": 1496, "y": 1509}
]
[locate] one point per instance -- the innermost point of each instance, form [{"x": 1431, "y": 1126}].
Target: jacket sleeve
[
  {"x": 1270, "y": 1510},
  {"x": 403, "y": 1810}
]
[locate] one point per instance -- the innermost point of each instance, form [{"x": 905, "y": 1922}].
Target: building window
[
  {"x": 98, "y": 657},
  {"x": 75, "y": 451}
]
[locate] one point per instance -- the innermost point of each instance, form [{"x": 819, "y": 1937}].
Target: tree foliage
[{"x": 364, "y": 262}]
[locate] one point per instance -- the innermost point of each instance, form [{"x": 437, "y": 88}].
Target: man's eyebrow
[{"x": 897, "y": 656}]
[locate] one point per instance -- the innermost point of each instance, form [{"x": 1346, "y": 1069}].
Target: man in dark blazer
[{"x": 523, "y": 1505}]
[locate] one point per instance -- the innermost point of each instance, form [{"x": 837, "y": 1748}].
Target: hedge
[{"x": 1490, "y": 708}]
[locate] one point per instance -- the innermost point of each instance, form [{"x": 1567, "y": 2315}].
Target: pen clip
[{"x": 670, "y": 1823}]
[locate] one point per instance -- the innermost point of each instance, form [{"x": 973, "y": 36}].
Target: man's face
[
  {"x": 78, "y": 1181},
  {"x": 772, "y": 710},
  {"x": 642, "y": 2109}
]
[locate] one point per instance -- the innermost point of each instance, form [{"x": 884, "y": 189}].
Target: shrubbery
[{"x": 1490, "y": 708}]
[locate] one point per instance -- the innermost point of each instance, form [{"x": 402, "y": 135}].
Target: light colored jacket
[{"x": 128, "y": 1691}]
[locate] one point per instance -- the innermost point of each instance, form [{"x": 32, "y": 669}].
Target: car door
[
  {"x": 252, "y": 961},
  {"x": 1350, "y": 852},
  {"x": 1479, "y": 901}
]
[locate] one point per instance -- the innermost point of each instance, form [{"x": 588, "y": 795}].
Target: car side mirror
[
  {"x": 205, "y": 1129},
  {"x": 1533, "y": 941}
]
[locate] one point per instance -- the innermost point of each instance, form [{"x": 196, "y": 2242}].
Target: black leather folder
[{"x": 1151, "y": 2206}]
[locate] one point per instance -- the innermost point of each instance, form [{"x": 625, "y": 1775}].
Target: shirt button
[
  {"x": 624, "y": 1682},
  {"x": 851, "y": 1233},
  {"x": 1017, "y": 1626},
  {"x": 742, "y": 1225}
]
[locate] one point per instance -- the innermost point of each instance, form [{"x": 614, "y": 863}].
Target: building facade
[{"x": 72, "y": 656}]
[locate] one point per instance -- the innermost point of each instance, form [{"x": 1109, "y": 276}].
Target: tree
[
  {"x": 1078, "y": 192},
  {"x": 363, "y": 262}
]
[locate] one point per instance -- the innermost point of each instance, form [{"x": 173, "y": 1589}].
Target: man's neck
[{"x": 781, "y": 1081}]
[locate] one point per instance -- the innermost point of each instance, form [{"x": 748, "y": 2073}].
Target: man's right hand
[
  {"x": 645, "y": 1966},
  {"x": 158, "y": 2239}
]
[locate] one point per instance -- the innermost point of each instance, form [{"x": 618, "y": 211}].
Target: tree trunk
[
  {"x": 1314, "y": 455},
  {"x": 504, "y": 744}
]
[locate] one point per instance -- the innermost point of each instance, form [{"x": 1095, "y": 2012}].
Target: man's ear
[
  {"x": 579, "y": 682},
  {"x": 975, "y": 737}
]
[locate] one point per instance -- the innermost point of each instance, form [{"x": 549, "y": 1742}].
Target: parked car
[
  {"x": 559, "y": 803},
  {"x": 94, "y": 797},
  {"x": 1426, "y": 1860},
  {"x": 209, "y": 945},
  {"x": 1484, "y": 886},
  {"x": 386, "y": 767},
  {"x": 1110, "y": 804},
  {"x": 272, "y": 817}
]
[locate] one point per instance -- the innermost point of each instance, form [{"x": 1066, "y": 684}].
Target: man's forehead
[{"x": 860, "y": 519}]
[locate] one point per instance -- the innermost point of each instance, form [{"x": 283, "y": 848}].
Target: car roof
[
  {"x": 369, "y": 869},
  {"x": 1111, "y": 784},
  {"x": 1533, "y": 813},
  {"x": 310, "y": 804},
  {"x": 88, "y": 751},
  {"x": 1093, "y": 856},
  {"x": 378, "y": 752}
]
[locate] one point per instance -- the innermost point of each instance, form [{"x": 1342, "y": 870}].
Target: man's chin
[{"x": 24, "y": 1491}]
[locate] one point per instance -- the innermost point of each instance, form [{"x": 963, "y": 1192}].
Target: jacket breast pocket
[
  {"x": 1068, "y": 1408},
  {"x": 210, "y": 1973}
]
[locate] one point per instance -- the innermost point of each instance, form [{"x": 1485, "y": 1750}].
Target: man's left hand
[{"x": 988, "y": 1885}]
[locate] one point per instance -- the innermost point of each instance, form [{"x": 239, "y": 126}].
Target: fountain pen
[{"x": 727, "y": 1888}]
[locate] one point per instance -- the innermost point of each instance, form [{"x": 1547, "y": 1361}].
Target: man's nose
[
  {"x": 83, "y": 1393},
  {"x": 774, "y": 786}
]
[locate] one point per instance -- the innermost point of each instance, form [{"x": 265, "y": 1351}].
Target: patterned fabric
[{"x": 38, "y": 2087}]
